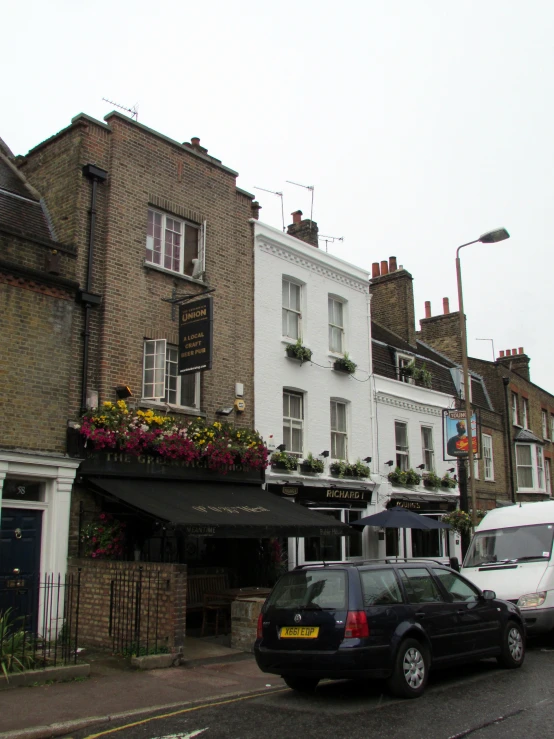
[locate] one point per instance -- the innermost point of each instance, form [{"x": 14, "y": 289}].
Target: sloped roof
[
  {"x": 526, "y": 435},
  {"x": 20, "y": 208}
]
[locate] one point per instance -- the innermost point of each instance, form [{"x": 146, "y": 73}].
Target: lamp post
[{"x": 491, "y": 237}]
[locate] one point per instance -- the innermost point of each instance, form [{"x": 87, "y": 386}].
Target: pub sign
[
  {"x": 195, "y": 336},
  {"x": 455, "y": 434}
]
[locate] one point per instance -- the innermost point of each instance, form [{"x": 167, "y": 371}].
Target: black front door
[{"x": 20, "y": 537}]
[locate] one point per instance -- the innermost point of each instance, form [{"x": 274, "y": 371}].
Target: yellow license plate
[{"x": 299, "y": 632}]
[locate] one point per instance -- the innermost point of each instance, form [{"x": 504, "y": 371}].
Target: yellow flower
[{"x": 107, "y": 404}]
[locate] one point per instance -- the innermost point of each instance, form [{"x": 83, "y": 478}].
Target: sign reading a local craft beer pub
[{"x": 195, "y": 336}]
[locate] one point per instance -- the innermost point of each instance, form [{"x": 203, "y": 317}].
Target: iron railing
[
  {"x": 137, "y": 604},
  {"x": 39, "y": 620}
]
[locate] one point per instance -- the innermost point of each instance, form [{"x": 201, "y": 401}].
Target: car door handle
[{"x": 420, "y": 614}]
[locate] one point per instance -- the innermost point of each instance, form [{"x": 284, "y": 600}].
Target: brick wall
[
  {"x": 392, "y": 303},
  {"x": 147, "y": 168},
  {"x": 37, "y": 312},
  {"x": 106, "y": 605},
  {"x": 443, "y": 334},
  {"x": 244, "y": 622}
]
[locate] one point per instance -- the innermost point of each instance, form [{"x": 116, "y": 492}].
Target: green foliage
[
  {"x": 345, "y": 364},
  {"x": 15, "y": 645},
  {"x": 420, "y": 375},
  {"x": 347, "y": 469},
  {"x": 430, "y": 480},
  {"x": 315, "y": 465},
  {"x": 404, "y": 477},
  {"x": 298, "y": 351},
  {"x": 289, "y": 461},
  {"x": 104, "y": 538},
  {"x": 459, "y": 520},
  {"x": 448, "y": 482}
]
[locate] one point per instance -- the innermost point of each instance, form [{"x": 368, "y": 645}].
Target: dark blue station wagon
[{"x": 388, "y": 620}]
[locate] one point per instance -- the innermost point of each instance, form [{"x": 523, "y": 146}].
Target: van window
[
  {"x": 516, "y": 544},
  {"x": 310, "y": 589}
]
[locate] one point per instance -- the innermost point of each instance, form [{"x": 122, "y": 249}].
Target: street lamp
[{"x": 491, "y": 237}]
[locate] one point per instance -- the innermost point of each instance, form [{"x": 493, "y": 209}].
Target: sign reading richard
[{"x": 195, "y": 336}]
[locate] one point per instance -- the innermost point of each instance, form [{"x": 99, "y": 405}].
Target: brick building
[
  {"x": 518, "y": 430},
  {"x": 37, "y": 303}
]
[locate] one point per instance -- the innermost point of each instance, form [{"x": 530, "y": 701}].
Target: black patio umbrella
[{"x": 400, "y": 518}]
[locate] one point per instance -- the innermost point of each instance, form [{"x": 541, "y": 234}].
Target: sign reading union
[{"x": 195, "y": 336}]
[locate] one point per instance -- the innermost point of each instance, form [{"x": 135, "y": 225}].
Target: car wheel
[
  {"x": 513, "y": 646},
  {"x": 411, "y": 670},
  {"x": 301, "y": 684}
]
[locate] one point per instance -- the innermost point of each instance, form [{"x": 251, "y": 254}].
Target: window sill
[
  {"x": 170, "y": 408},
  {"x": 171, "y": 273}
]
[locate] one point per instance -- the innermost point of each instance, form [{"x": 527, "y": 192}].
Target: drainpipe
[
  {"x": 506, "y": 381},
  {"x": 87, "y": 297}
]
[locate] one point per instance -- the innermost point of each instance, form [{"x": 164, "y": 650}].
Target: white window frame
[
  {"x": 428, "y": 452},
  {"x": 161, "y": 350},
  {"x": 199, "y": 261},
  {"x": 536, "y": 466},
  {"x": 344, "y": 517},
  {"x": 515, "y": 409},
  {"x": 488, "y": 461},
  {"x": 402, "y": 453},
  {"x": 548, "y": 476},
  {"x": 174, "y": 360},
  {"x": 293, "y": 422},
  {"x": 287, "y": 308},
  {"x": 552, "y": 426},
  {"x": 525, "y": 412},
  {"x": 337, "y": 433},
  {"x": 336, "y": 328},
  {"x": 403, "y": 360},
  {"x": 544, "y": 420}
]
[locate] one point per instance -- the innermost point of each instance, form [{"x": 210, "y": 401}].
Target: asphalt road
[{"x": 480, "y": 701}]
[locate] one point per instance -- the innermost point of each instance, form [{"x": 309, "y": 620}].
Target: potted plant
[
  {"x": 422, "y": 376},
  {"x": 358, "y": 469},
  {"x": 448, "y": 482},
  {"x": 338, "y": 468},
  {"x": 345, "y": 364},
  {"x": 412, "y": 477},
  {"x": 430, "y": 480},
  {"x": 298, "y": 351},
  {"x": 283, "y": 461},
  {"x": 398, "y": 476},
  {"x": 311, "y": 466}
]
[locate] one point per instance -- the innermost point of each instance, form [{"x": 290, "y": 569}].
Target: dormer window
[{"x": 404, "y": 364}]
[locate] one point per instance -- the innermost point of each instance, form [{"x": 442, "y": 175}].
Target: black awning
[{"x": 224, "y": 510}]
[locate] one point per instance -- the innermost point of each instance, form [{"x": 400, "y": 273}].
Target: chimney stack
[
  {"x": 392, "y": 299},
  {"x": 256, "y": 207},
  {"x": 515, "y": 360},
  {"x": 442, "y": 332},
  {"x": 303, "y": 229},
  {"x": 445, "y": 306},
  {"x": 427, "y": 309}
]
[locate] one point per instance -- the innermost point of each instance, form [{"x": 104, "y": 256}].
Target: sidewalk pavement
[{"x": 115, "y": 691}]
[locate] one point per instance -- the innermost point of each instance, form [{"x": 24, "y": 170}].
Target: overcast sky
[{"x": 421, "y": 125}]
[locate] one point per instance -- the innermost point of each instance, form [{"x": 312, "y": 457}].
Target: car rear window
[
  {"x": 380, "y": 587},
  {"x": 310, "y": 589}
]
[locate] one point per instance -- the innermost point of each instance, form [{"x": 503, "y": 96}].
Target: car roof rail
[{"x": 378, "y": 560}]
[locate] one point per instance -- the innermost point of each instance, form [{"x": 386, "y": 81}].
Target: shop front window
[{"x": 335, "y": 548}]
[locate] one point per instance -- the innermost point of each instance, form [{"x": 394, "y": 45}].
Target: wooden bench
[{"x": 199, "y": 585}]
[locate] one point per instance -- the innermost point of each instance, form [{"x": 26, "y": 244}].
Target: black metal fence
[
  {"x": 39, "y": 620},
  {"x": 137, "y": 612}
]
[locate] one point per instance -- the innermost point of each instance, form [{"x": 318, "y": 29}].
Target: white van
[{"x": 511, "y": 553}]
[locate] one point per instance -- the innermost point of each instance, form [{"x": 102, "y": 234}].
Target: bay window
[{"x": 530, "y": 467}]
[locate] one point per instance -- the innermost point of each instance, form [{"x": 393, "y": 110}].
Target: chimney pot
[
  {"x": 296, "y": 216},
  {"x": 427, "y": 309},
  {"x": 195, "y": 141},
  {"x": 392, "y": 264},
  {"x": 508, "y": 352},
  {"x": 445, "y": 306},
  {"x": 375, "y": 271},
  {"x": 384, "y": 267},
  {"x": 514, "y": 352},
  {"x": 521, "y": 350},
  {"x": 501, "y": 353}
]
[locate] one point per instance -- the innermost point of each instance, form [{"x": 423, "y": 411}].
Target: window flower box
[
  {"x": 345, "y": 364},
  {"x": 311, "y": 466},
  {"x": 283, "y": 461},
  {"x": 298, "y": 351}
]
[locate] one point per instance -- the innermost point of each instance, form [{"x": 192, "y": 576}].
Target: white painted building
[{"x": 304, "y": 293}]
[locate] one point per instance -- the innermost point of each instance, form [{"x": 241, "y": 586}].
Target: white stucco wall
[{"x": 278, "y": 255}]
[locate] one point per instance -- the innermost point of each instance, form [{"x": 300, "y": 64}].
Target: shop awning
[{"x": 220, "y": 510}]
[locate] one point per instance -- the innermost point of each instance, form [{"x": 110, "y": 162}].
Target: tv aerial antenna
[
  {"x": 492, "y": 342},
  {"x": 280, "y": 194},
  {"x": 330, "y": 240},
  {"x": 133, "y": 111},
  {"x": 306, "y": 187}
]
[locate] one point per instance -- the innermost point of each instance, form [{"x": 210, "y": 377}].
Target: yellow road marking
[{"x": 184, "y": 710}]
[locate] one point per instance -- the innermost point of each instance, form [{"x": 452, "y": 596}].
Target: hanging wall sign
[
  {"x": 455, "y": 442},
  {"x": 195, "y": 336}
]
